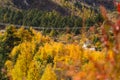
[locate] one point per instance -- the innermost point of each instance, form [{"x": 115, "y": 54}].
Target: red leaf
[{"x": 118, "y": 7}]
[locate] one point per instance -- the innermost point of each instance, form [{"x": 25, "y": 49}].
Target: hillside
[
  {"x": 59, "y": 40},
  {"x": 50, "y": 4},
  {"x": 61, "y": 6},
  {"x": 52, "y": 13}
]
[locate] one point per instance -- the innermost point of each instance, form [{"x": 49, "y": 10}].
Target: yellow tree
[
  {"x": 49, "y": 73},
  {"x": 21, "y": 67},
  {"x": 34, "y": 71}
]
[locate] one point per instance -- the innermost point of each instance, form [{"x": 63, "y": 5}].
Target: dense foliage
[
  {"x": 43, "y": 18},
  {"x": 27, "y": 54},
  {"x": 37, "y": 57}
]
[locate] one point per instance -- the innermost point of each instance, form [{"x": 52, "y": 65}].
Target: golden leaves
[
  {"x": 41, "y": 58},
  {"x": 49, "y": 74}
]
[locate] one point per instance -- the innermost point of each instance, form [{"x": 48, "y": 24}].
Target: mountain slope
[
  {"x": 51, "y": 4},
  {"x": 64, "y": 7}
]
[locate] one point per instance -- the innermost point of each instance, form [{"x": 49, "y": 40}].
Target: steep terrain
[{"x": 58, "y": 5}]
